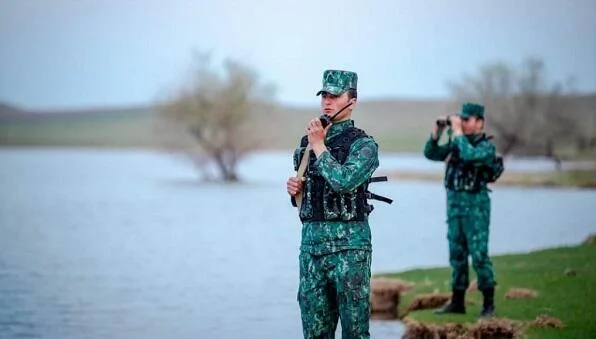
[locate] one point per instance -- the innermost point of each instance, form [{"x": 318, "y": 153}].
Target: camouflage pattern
[
  {"x": 335, "y": 286},
  {"x": 468, "y": 218},
  {"x": 469, "y": 109},
  {"x": 337, "y": 82},
  {"x": 468, "y": 206},
  {"x": 470, "y": 161},
  {"x": 321, "y": 201},
  {"x": 328, "y": 237},
  {"x": 335, "y": 256}
]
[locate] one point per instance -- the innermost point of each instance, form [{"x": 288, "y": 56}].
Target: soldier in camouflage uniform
[
  {"x": 471, "y": 163},
  {"x": 335, "y": 251}
]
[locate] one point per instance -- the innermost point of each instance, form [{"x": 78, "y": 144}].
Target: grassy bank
[
  {"x": 569, "y": 178},
  {"x": 563, "y": 278}
]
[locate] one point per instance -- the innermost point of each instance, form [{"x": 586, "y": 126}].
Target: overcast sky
[{"x": 78, "y": 53}]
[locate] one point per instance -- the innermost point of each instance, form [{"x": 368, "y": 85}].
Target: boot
[
  {"x": 488, "y": 306},
  {"x": 456, "y": 305}
]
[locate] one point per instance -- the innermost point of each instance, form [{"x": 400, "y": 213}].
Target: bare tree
[
  {"x": 527, "y": 115},
  {"x": 218, "y": 111},
  {"x": 585, "y": 136},
  {"x": 494, "y": 86}
]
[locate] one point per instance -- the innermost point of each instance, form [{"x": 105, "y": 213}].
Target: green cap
[
  {"x": 337, "y": 82},
  {"x": 469, "y": 109}
]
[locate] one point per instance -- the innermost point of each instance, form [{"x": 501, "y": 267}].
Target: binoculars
[{"x": 444, "y": 122}]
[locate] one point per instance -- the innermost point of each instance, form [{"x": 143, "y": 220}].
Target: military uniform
[
  {"x": 471, "y": 164},
  {"x": 335, "y": 250}
]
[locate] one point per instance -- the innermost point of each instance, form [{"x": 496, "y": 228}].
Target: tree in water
[{"x": 218, "y": 111}]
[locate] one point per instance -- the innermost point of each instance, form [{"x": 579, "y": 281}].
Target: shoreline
[
  {"x": 576, "y": 178},
  {"x": 539, "y": 294}
]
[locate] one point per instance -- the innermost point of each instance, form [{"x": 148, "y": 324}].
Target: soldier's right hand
[
  {"x": 436, "y": 127},
  {"x": 294, "y": 185}
]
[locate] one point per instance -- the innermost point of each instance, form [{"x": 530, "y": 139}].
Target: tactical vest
[
  {"x": 320, "y": 202},
  {"x": 461, "y": 176}
]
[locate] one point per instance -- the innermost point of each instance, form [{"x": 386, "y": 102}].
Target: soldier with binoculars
[{"x": 471, "y": 164}]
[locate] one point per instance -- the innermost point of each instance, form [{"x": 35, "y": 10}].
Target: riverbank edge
[
  {"x": 558, "y": 294},
  {"x": 581, "y": 178}
]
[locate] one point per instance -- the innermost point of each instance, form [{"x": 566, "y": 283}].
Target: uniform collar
[
  {"x": 337, "y": 128},
  {"x": 475, "y": 137}
]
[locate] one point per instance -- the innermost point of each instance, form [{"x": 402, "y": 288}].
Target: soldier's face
[
  {"x": 472, "y": 125},
  {"x": 330, "y": 104}
]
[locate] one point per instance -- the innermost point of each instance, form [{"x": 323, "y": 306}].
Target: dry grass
[
  {"x": 426, "y": 302},
  {"x": 492, "y": 328},
  {"x": 521, "y": 293},
  {"x": 545, "y": 321},
  {"x": 391, "y": 284},
  {"x": 496, "y": 328},
  {"x": 386, "y": 296}
]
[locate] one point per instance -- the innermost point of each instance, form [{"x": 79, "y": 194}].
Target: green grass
[{"x": 572, "y": 299}]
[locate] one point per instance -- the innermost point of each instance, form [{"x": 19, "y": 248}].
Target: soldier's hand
[
  {"x": 294, "y": 185},
  {"x": 456, "y": 124},
  {"x": 437, "y": 128},
  {"x": 316, "y": 133}
]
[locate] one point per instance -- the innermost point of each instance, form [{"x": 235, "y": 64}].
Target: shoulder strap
[{"x": 370, "y": 195}]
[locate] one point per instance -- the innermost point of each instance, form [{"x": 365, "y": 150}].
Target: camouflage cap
[
  {"x": 469, "y": 109},
  {"x": 337, "y": 82}
]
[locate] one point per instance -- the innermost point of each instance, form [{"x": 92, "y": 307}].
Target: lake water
[{"x": 129, "y": 244}]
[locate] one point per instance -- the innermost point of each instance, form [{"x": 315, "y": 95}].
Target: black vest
[
  {"x": 462, "y": 176},
  {"x": 320, "y": 202}
]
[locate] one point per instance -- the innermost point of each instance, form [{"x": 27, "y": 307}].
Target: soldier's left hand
[{"x": 455, "y": 123}]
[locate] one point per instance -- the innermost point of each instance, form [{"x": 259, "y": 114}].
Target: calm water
[{"x": 105, "y": 244}]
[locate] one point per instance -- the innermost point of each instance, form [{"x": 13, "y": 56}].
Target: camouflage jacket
[
  {"x": 470, "y": 160},
  {"x": 323, "y": 237}
]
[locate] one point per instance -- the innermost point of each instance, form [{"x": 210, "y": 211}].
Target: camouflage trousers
[
  {"x": 468, "y": 234},
  {"x": 333, "y": 286}
]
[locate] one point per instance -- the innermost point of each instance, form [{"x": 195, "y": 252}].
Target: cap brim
[
  {"x": 332, "y": 90},
  {"x": 464, "y": 115}
]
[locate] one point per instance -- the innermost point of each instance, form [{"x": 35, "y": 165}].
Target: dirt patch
[
  {"x": 545, "y": 321},
  {"x": 494, "y": 328},
  {"x": 390, "y": 284},
  {"x": 521, "y": 293},
  {"x": 427, "y": 301},
  {"x": 473, "y": 286},
  {"x": 418, "y": 330},
  {"x": 385, "y": 297}
]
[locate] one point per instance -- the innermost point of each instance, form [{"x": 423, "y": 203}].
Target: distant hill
[
  {"x": 8, "y": 111},
  {"x": 109, "y": 127},
  {"x": 397, "y": 124}
]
